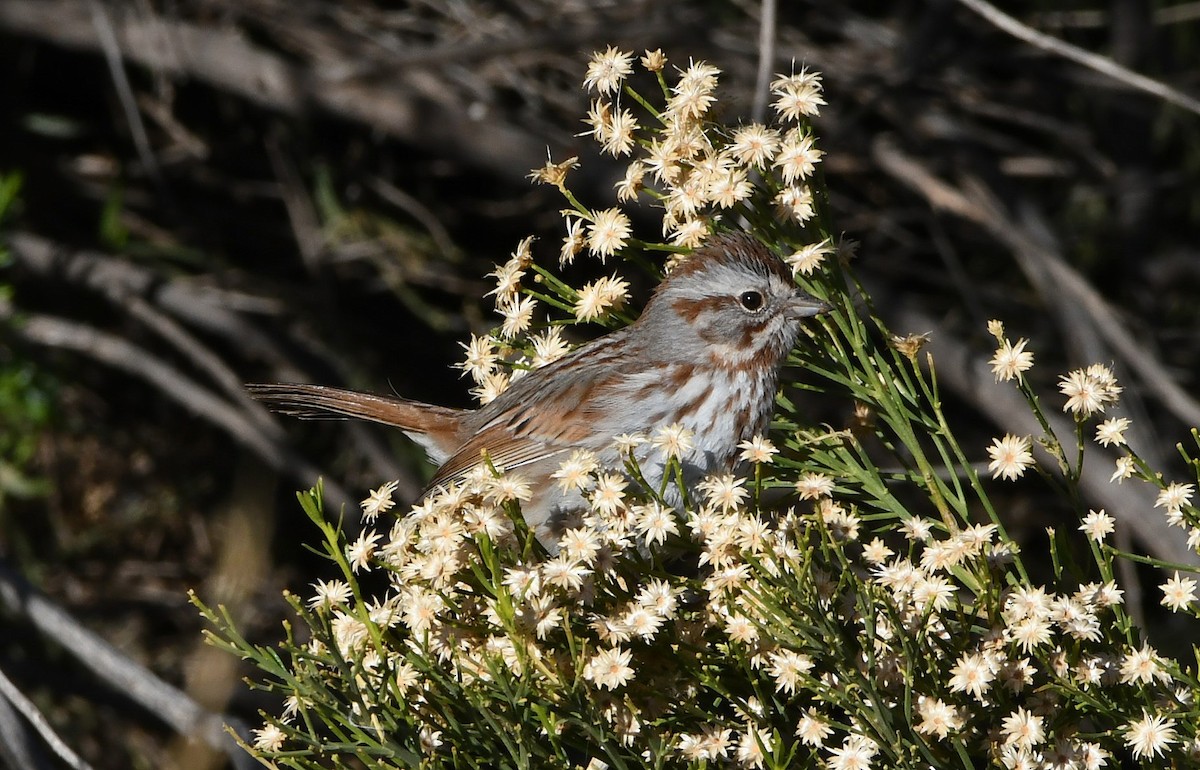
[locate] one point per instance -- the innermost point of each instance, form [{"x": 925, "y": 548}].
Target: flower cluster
[{"x": 800, "y": 612}]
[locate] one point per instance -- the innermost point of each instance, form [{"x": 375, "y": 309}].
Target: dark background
[{"x": 265, "y": 190}]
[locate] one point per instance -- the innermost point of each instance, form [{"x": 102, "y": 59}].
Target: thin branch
[
  {"x": 1070, "y": 285},
  {"x": 13, "y": 695},
  {"x": 132, "y": 679},
  {"x": 1078, "y": 55},
  {"x": 766, "y": 59},
  {"x": 122, "y": 354},
  {"x": 18, "y": 747},
  {"x": 969, "y": 376},
  {"x": 112, "y": 57}
]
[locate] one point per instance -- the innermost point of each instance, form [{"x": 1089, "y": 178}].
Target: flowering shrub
[{"x": 815, "y": 611}]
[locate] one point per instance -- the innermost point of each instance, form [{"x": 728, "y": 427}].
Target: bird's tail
[{"x": 437, "y": 428}]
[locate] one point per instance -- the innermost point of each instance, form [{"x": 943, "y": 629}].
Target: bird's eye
[{"x": 751, "y": 300}]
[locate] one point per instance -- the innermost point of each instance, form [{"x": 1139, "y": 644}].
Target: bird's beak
[{"x": 805, "y": 306}]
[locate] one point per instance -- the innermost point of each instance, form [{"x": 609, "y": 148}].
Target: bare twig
[
  {"x": 10, "y": 692},
  {"x": 121, "y": 354},
  {"x": 1104, "y": 66},
  {"x": 766, "y": 59},
  {"x": 112, "y": 57},
  {"x": 19, "y": 748},
  {"x": 1069, "y": 285},
  {"x": 133, "y": 680},
  {"x": 118, "y": 279}
]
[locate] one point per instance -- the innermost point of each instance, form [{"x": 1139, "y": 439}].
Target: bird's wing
[{"x": 563, "y": 406}]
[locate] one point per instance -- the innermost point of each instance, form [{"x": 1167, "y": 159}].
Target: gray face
[{"x": 733, "y": 303}]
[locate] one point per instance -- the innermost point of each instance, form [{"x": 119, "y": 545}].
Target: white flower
[
  {"x": 1097, "y": 525},
  {"x": 606, "y": 70},
  {"x": 812, "y": 729},
  {"x": 269, "y": 738},
  {"x": 1175, "y": 497},
  {"x": 1089, "y": 390},
  {"x": 814, "y": 485},
  {"x": 1010, "y": 360},
  {"x": 379, "y": 501},
  {"x": 674, "y": 440},
  {"x": 609, "y": 669},
  {"x": 1124, "y": 469},
  {"x": 1150, "y": 735},
  {"x": 807, "y": 259},
  {"x": 1178, "y": 592},
  {"x": 330, "y": 593},
  {"x": 787, "y": 668},
  {"x": 1010, "y": 455},
  {"x": 937, "y": 717},
  {"x": 608, "y": 232},
  {"x": 1022, "y": 729},
  {"x": 973, "y": 673},
  {"x": 359, "y": 553},
  {"x": 1112, "y": 432},
  {"x": 600, "y": 297}
]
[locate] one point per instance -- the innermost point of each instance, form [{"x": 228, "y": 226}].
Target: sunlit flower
[
  {"x": 554, "y": 173},
  {"x": 807, "y": 259},
  {"x": 548, "y": 346},
  {"x": 674, "y": 440},
  {"x": 797, "y": 203},
  {"x": 1089, "y": 390},
  {"x": 787, "y": 669},
  {"x": 797, "y": 96},
  {"x": 1174, "y": 497},
  {"x": 724, "y": 492},
  {"x": 606, "y": 70},
  {"x": 609, "y": 669},
  {"x": 330, "y": 593},
  {"x": 608, "y": 232},
  {"x": 917, "y": 529},
  {"x": 575, "y": 473},
  {"x": 938, "y": 718},
  {"x": 855, "y": 753},
  {"x": 1010, "y": 455},
  {"x": 600, "y": 297},
  {"x": 269, "y": 737},
  {"x": 973, "y": 673},
  {"x": 812, "y": 729},
  {"x": 1150, "y": 735},
  {"x": 814, "y": 485},
  {"x": 1125, "y": 467},
  {"x": 631, "y": 184},
  {"x": 491, "y": 386},
  {"x": 1010, "y": 360},
  {"x": 1178, "y": 592},
  {"x": 359, "y": 553},
  {"x": 1142, "y": 666},
  {"x": 654, "y": 522},
  {"x": 1097, "y": 525},
  {"x": 876, "y": 552},
  {"x": 518, "y": 315},
  {"x": 379, "y": 501},
  {"x": 754, "y": 145},
  {"x": 481, "y": 357},
  {"x": 797, "y": 156},
  {"x": 608, "y": 494},
  {"x": 654, "y": 60},
  {"x": 1022, "y": 729},
  {"x": 579, "y": 544},
  {"x": 1111, "y": 432}
]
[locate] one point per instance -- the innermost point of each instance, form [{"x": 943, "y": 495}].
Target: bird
[{"x": 705, "y": 354}]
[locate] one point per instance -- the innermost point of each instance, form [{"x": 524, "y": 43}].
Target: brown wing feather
[{"x": 545, "y": 414}]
